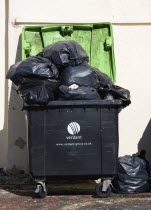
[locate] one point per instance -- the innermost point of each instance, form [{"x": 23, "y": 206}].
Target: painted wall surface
[
  {"x": 132, "y": 44},
  {"x": 3, "y": 87},
  {"x": 132, "y": 35}
]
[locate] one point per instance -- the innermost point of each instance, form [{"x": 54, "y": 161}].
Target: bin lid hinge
[
  {"x": 27, "y": 48},
  {"x": 66, "y": 30},
  {"x": 108, "y": 43}
]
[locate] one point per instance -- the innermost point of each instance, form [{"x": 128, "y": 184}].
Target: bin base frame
[{"x": 103, "y": 188}]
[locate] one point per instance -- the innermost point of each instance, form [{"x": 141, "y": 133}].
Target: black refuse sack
[
  {"x": 36, "y": 91},
  {"x": 104, "y": 79},
  {"x": 81, "y": 93},
  {"x": 109, "y": 91},
  {"x": 121, "y": 93},
  {"x": 132, "y": 175},
  {"x": 64, "y": 53},
  {"x": 82, "y": 75},
  {"x": 115, "y": 92},
  {"x": 34, "y": 66}
]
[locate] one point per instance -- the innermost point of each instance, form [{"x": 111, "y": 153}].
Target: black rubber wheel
[
  {"x": 100, "y": 193},
  {"x": 41, "y": 193}
]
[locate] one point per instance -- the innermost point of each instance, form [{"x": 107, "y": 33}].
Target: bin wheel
[
  {"x": 102, "y": 194},
  {"x": 40, "y": 193}
]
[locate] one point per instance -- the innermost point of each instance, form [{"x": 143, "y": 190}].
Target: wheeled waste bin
[{"x": 73, "y": 139}]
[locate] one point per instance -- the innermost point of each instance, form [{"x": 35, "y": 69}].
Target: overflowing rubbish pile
[{"x": 62, "y": 72}]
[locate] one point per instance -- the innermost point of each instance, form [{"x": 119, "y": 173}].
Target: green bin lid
[{"x": 96, "y": 39}]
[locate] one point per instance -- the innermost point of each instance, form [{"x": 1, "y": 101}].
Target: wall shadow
[
  {"x": 17, "y": 139},
  {"x": 144, "y": 144}
]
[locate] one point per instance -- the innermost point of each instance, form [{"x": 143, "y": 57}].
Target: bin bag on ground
[
  {"x": 38, "y": 91},
  {"x": 32, "y": 67},
  {"x": 132, "y": 175},
  {"x": 82, "y": 75},
  {"x": 81, "y": 93},
  {"x": 65, "y": 53}
]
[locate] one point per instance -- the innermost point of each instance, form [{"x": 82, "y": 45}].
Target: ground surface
[{"x": 76, "y": 196}]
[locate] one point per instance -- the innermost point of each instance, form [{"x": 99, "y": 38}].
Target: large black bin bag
[
  {"x": 32, "y": 67},
  {"x": 64, "y": 53},
  {"x": 104, "y": 79},
  {"x": 106, "y": 88},
  {"x": 132, "y": 175},
  {"x": 38, "y": 91},
  {"x": 83, "y": 75},
  {"x": 81, "y": 93}
]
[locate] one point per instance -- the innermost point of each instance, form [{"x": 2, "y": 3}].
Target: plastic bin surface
[
  {"x": 73, "y": 138},
  {"x": 96, "y": 39}
]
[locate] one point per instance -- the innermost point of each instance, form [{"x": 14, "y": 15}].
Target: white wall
[
  {"x": 132, "y": 35},
  {"x": 132, "y": 51},
  {"x": 3, "y": 87},
  {"x": 80, "y": 10}
]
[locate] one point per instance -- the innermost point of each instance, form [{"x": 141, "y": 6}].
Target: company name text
[{"x": 73, "y": 137}]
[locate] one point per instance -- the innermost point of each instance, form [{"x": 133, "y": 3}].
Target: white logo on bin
[{"x": 73, "y": 128}]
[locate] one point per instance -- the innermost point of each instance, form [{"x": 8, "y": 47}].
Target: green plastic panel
[
  {"x": 102, "y": 49},
  {"x": 31, "y": 41},
  {"x": 81, "y": 34},
  {"x": 96, "y": 39}
]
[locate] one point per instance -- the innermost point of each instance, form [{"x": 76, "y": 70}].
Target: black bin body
[{"x": 73, "y": 138}]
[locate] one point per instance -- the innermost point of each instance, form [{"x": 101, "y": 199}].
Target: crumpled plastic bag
[
  {"x": 65, "y": 53},
  {"x": 115, "y": 92},
  {"x": 104, "y": 79},
  {"x": 121, "y": 93},
  {"x": 81, "y": 93},
  {"x": 109, "y": 91},
  {"x": 132, "y": 176},
  {"x": 82, "y": 75},
  {"x": 38, "y": 91},
  {"x": 32, "y": 67}
]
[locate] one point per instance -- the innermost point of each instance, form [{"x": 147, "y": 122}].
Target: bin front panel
[
  {"x": 73, "y": 146},
  {"x": 72, "y": 141}
]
